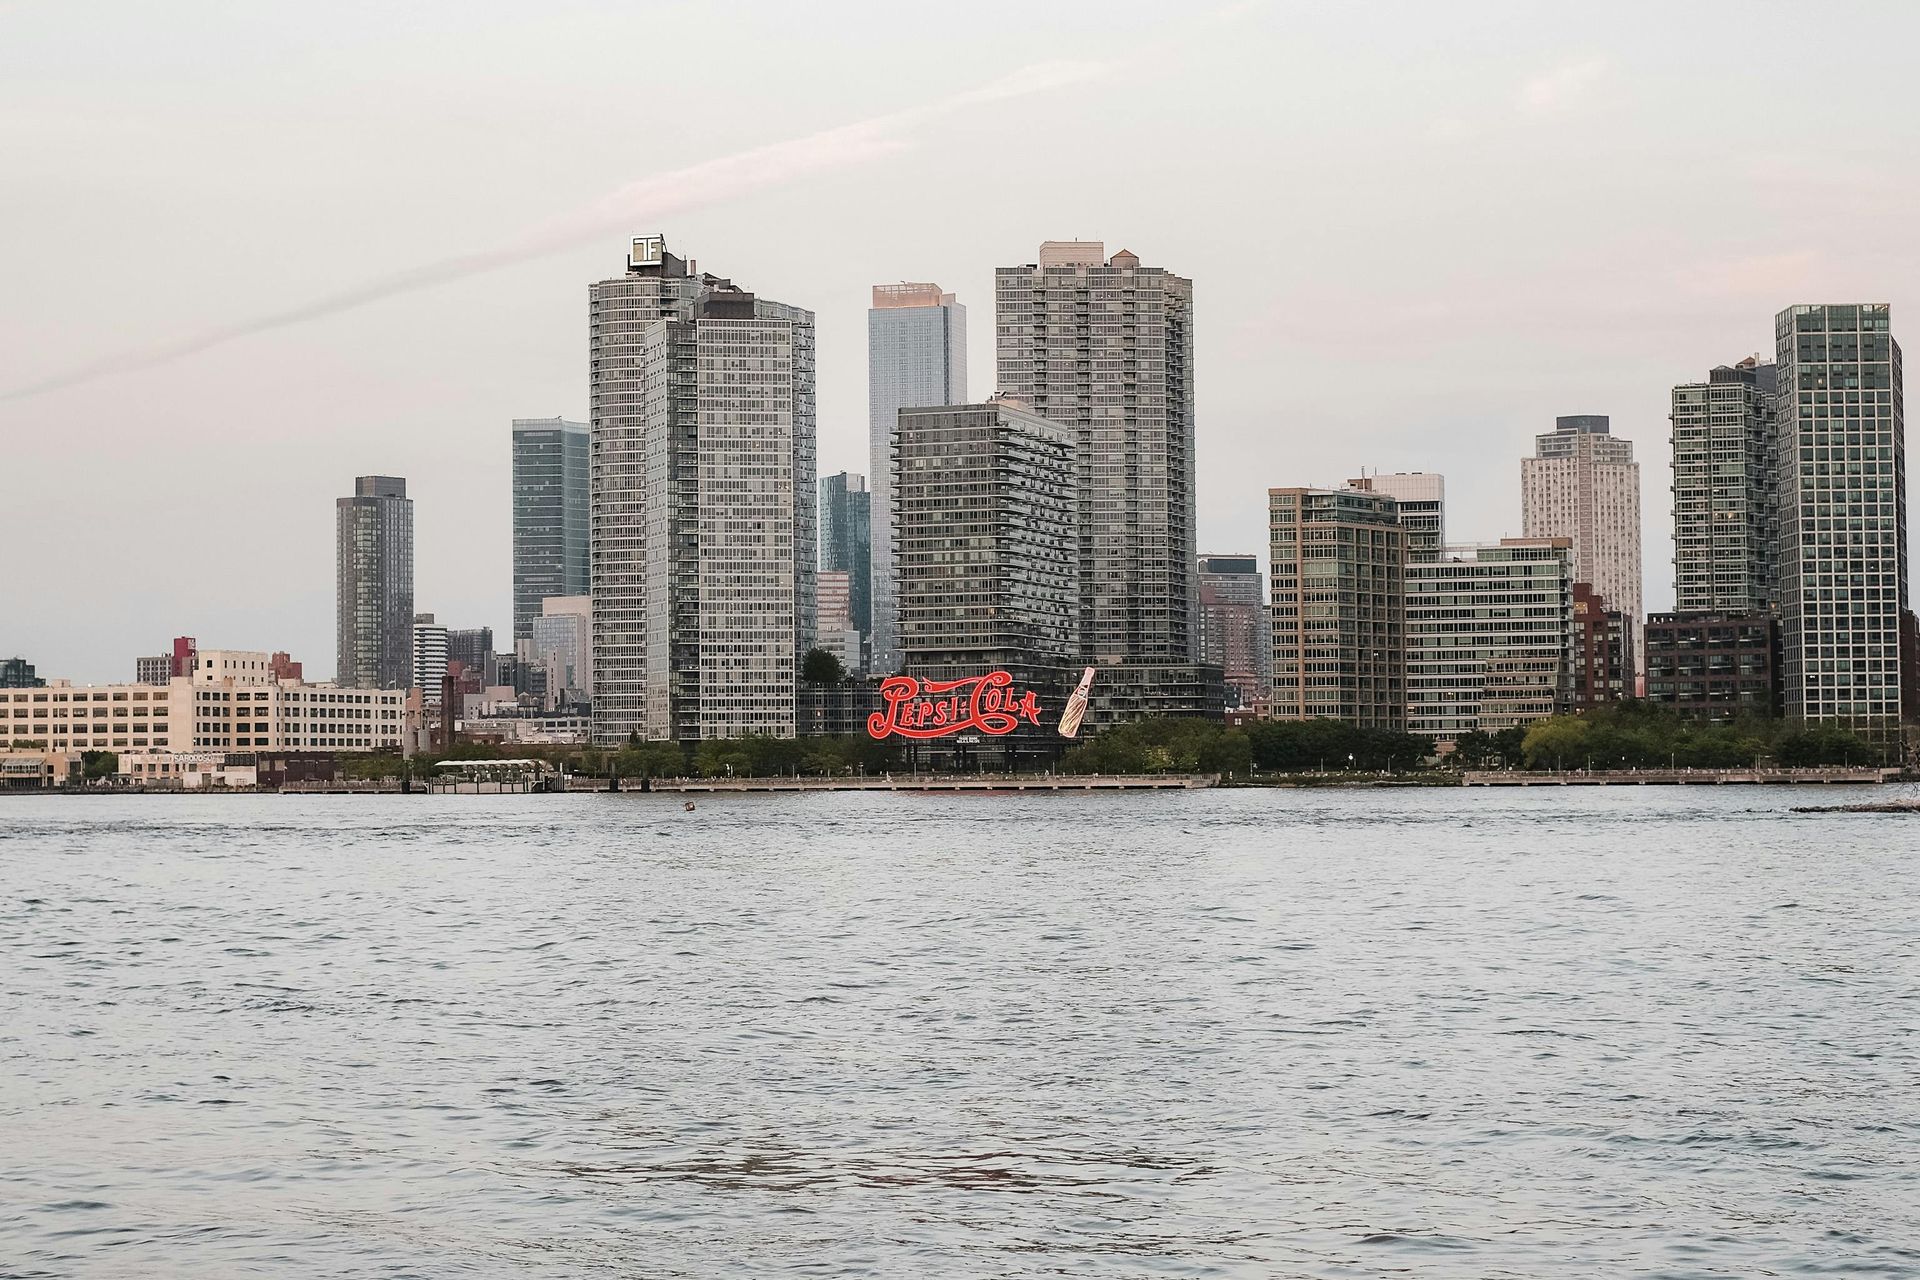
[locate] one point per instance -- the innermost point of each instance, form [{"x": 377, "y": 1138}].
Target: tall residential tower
[
  {"x": 702, "y": 501},
  {"x": 1841, "y": 509},
  {"x": 373, "y": 586},
  {"x": 916, "y": 356},
  {"x": 1105, "y": 346},
  {"x": 1582, "y": 484}
]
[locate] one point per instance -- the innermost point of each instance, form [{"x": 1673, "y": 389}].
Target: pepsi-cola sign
[{"x": 916, "y": 708}]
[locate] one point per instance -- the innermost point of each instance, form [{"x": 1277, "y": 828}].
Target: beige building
[
  {"x": 1490, "y": 637},
  {"x": 1338, "y": 559},
  {"x": 1582, "y": 484},
  {"x": 231, "y": 701}
]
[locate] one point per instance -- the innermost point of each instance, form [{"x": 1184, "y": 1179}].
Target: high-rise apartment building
[
  {"x": 1582, "y": 484},
  {"x": 429, "y": 658},
  {"x": 846, "y": 542},
  {"x": 1723, "y": 505},
  {"x": 1490, "y": 636},
  {"x": 1236, "y": 632},
  {"x": 1839, "y": 466},
  {"x": 983, "y": 503},
  {"x": 550, "y": 515},
  {"x": 1422, "y": 497},
  {"x": 916, "y": 356},
  {"x": 703, "y": 502},
  {"x": 1104, "y": 345},
  {"x": 1338, "y": 559},
  {"x": 374, "y": 585}
]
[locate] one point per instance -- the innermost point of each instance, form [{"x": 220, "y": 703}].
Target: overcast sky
[{"x": 1417, "y": 232}]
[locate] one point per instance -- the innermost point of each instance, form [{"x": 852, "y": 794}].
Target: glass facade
[
  {"x": 374, "y": 585},
  {"x": 846, "y": 542},
  {"x": 916, "y": 356},
  {"x": 551, "y": 545}
]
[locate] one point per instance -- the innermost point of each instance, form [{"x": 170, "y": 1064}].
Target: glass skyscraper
[
  {"x": 916, "y": 357},
  {"x": 374, "y": 585},
  {"x": 550, "y": 510},
  {"x": 1841, "y": 511},
  {"x": 846, "y": 542}
]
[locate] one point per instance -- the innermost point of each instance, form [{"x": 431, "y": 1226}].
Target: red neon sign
[{"x": 918, "y": 708}]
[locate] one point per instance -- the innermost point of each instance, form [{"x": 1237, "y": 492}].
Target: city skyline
[{"x": 1415, "y": 306}]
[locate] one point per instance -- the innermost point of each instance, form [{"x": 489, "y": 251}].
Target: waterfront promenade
[{"x": 1673, "y": 777}]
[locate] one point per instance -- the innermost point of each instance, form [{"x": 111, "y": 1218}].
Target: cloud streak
[
  {"x": 641, "y": 205},
  {"x": 1562, "y": 87}
]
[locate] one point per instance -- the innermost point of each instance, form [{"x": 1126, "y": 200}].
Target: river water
[{"x": 1566, "y": 1032}]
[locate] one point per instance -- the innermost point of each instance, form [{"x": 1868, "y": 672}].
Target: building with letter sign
[
  {"x": 702, "y": 498},
  {"x": 987, "y": 557}
]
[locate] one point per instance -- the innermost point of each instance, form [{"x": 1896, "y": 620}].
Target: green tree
[
  {"x": 822, "y": 667},
  {"x": 1555, "y": 743},
  {"x": 95, "y": 765}
]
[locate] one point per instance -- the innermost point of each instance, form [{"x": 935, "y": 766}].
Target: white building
[
  {"x": 429, "y": 657},
  {"x": 1422, "y": 498}
]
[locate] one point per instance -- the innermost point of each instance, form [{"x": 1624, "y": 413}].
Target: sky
[{"x": 251, "y": 250}]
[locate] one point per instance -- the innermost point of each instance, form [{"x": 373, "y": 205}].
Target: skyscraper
[
  {"x": 550, "y": 530},
  {"x": 1839, "y": 467},
  {"x": 846, "y": 542},
  {"x": 916, "y": 355},
  {"x": 1105, "y": 346},
  {"x": 987, "y": 553},
  {"x": 1422, "y": 497},
  {"x": 374, "y": 585},
  {"x": 1236, "y": 632},
  {"x": 1339, "y": 563},
  {"x": 1583, "y": 484},
  {"x": 702, "y": 500},
  {"x": 1723, "y": 490}
]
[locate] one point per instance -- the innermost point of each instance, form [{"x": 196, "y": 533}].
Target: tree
[
  {"x": 96, "y": 765},
  {"x": 1555, "y": 741},
  {"x": 821, "y": 667}
]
